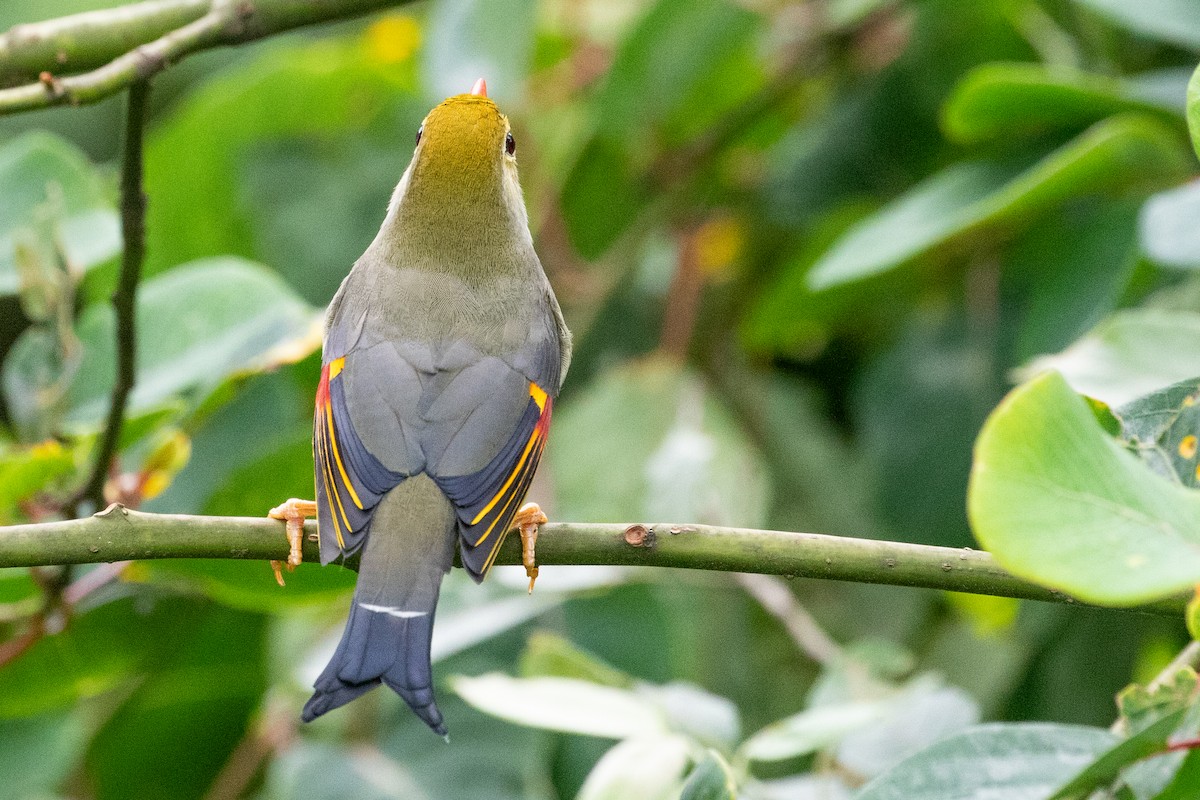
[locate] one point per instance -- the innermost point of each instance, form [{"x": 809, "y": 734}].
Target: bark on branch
[
  {"x": 132, "y": 43},
  {"x": 118, "y": 534}
]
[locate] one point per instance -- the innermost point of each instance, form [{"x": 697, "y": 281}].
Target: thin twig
[
  {"x": 226, "y": 22},
  {"x": 118, "y": 534},
  {"x": 133, "y": 232},
  {"x": 92, "y": 581},
  {"x": 776, "y": 598}
]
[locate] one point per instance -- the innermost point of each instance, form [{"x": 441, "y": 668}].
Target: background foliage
[{"x": 806, "y": 248}]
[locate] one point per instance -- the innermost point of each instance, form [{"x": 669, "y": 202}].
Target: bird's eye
[
  {"x": 510, "y": 144},
  {"x": 419, "y": 131}
]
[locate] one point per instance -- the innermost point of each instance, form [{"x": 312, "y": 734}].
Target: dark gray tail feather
[
  {"x": 407, "y": 552},
  {"x": 378, "y": 647}
]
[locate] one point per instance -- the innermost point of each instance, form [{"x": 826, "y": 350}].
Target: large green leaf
[
  {"x": 1020, "y": 761},
  {"x": 1112, "y": 155},
  {"x": 51, "y": 192},
  {"x": 197, "y": 326},
  {"x": 1173, "y": 21},
  {"x": 1129, "y": 355},
  {"x": 1059, "y": 502},
  {"x": 1020, "y": 99}
]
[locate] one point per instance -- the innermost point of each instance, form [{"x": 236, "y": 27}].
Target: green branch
[
  {"x": 118, "y": 534},
  {"x": 123, "y": 45}
]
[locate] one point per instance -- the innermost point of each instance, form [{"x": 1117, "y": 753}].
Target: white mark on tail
[{"x": 395, "y": 612}]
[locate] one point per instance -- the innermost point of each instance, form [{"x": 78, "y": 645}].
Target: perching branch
[
  {"x": 133, "y": 235},
  {"x": 118, "y": 534},
  {"x": 133, "y": 43}
]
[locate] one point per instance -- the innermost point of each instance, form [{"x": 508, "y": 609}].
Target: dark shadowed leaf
[
  {"x": 1172, "y": 21},
  {"x": 1021, "y": 99},
  {"x": 1113, "y": 154},
  {"x": 1162, "y": 428}
]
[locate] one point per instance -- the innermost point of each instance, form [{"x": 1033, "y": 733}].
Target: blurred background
[{"x": 804, "y": 247}]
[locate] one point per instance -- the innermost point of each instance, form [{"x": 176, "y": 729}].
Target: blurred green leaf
[
  {"x": 810, "y": 730},
  {"x": 712, "y": 779},
  {"x": 469, "y": 39},
  {"x": 1162, "y": 428},
  {"x": 601, "y": 197},
  {"x": 1172, "y": 21},
  {"x": 701, "y": 715},
  {"x": 1060, "y": 503},
  {"x": 675, "y": 452},
  {"x": 674, "y": 47},
  {"x": 920, "y": 461},
  {"x": 1186, "y": 779},
  {"x": 314, "y": 770},
  {"x": 1113, "y": 155},
  {"x": 679, "y": 70},
  {"x": 336, "y": 97},
  {"x": 1193, "y": 109},
  {"x": 37, "y": 753},
  {"x": 197, "y": 326},
  {"x": 1001, "y": 99},
  {"x": 1129, "y": 355},
  {"x": 561, "y": 704},
  {"x": 1068, "y": 284},
  {"x": 109, "y": 646},
  {"x": 27, "y": 471},
  {"x": 1169, "y": 233},
  {"x": 16, "y": 584},
  {"x": 179, "y": 727},
  {"x": 1014, "y": 761},
  {"x": 51, "y": 190},
  {"x": 548, "y": 655},
  {"x": 646, "y": 767},
  {"x": 919, "y": 714}
]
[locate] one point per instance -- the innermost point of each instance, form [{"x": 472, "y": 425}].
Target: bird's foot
[
  {"x": 527, "y": 520},
  {"x": 294, "y": 512}
]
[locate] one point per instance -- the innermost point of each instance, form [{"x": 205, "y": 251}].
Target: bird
[{"x": 443, "y": 353}]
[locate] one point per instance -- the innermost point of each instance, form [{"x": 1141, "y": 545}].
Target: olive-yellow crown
[{"x": 464, "y": 145}]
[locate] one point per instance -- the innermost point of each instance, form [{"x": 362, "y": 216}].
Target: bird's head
[{"x": 465, "y": 153}]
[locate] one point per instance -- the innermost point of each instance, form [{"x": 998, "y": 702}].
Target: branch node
[
  {"x": 113, "y": 508},
  {"x": 53, "y": 85},
  {"x": 639, "y": 536}
]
